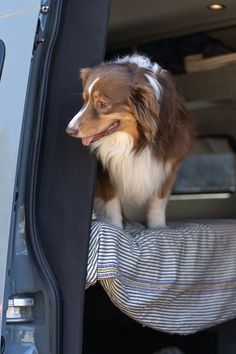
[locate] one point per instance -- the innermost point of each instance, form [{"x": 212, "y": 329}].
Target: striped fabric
[{"x": 179, "y": 279}]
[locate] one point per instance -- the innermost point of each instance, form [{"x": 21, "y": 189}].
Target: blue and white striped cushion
[{"x": 178, "y": 279}]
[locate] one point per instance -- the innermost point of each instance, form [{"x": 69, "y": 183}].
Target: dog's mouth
[{"x": 109, "y": 130}]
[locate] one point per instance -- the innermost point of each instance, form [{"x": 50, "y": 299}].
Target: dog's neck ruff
[{"x": 136, "y": 176}]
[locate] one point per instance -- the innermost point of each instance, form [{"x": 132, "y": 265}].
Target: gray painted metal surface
[
  {"x": 210, "y": 169},
  {"x": 18, "y": 22}
]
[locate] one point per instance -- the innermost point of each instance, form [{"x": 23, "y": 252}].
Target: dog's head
[{"x": 118, "y": 96}]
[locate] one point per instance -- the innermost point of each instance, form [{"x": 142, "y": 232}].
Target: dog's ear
[
  {"x": 146, "y": 109},
  {"x": 84, "y": 74}
]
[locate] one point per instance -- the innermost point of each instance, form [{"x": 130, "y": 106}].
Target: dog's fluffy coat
[{"x": 138, "y": 125}]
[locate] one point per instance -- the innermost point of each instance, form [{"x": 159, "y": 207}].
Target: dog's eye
[{"x": 102, "y": 104}]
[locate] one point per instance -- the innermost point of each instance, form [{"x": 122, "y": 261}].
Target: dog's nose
[{"x": 73, "y": 131}]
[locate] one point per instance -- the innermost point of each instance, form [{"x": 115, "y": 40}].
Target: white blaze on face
[{"x": 75, "y": 119}]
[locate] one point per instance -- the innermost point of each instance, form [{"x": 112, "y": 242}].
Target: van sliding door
[{"x": 65, "y": 179}]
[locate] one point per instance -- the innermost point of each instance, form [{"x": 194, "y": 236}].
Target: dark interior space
[{"x": 108, "y": 330}]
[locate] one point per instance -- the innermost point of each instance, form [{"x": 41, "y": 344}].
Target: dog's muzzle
[{"x": 72, "y": 131}]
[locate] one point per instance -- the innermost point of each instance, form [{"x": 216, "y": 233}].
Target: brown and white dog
[{"x": 138, "y": 125}]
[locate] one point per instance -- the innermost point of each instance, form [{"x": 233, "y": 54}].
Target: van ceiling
[{"x": 133, "y": 21}]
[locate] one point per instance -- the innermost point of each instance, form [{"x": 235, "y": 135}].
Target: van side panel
[{"x": 17, "y": 28}]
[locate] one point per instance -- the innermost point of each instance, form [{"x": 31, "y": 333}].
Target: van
[{"x": 47, "y": 178}]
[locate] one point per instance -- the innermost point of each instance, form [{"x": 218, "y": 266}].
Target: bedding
[{"x": 178, "y": 279}]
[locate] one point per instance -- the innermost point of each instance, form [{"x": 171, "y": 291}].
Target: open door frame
[{"x": 64, "y": 183}]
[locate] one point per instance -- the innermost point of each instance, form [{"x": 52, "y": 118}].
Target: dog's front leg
[
  {"x": 109, "y": 210},
  {"x": 113, "y": 212},
  {"x": 107, "y": 203},
  {"x": 156, "y": 213}
]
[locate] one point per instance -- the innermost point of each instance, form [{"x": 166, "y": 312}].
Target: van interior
[{"x": 197, "y": 44}]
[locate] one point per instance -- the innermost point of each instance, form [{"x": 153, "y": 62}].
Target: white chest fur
[{"x": 137, "y": 176}]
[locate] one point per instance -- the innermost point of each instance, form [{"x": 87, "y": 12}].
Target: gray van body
[{"x": 18, "y": 21}]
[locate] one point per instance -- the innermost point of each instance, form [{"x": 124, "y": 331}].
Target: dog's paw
[
  {"x": 117, "y": 223},
  {"x": 152, "y": 224}
]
